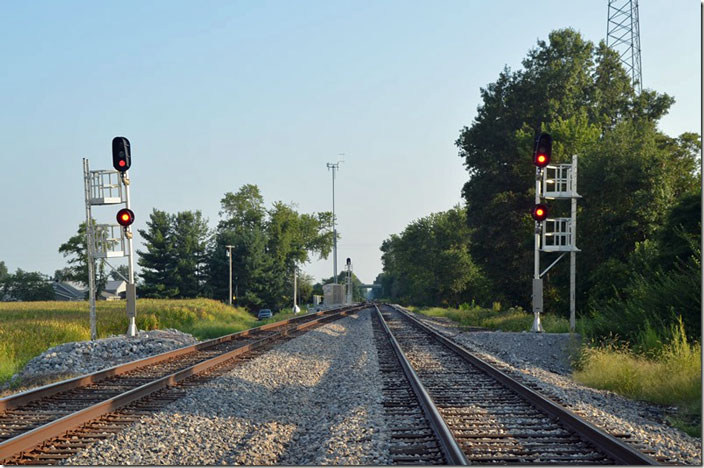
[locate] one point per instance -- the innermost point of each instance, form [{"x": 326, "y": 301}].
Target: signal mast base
[{"x": 132, "y": 328}]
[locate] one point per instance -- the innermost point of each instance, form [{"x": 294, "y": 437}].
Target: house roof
[{"x": 113, "y": 285}]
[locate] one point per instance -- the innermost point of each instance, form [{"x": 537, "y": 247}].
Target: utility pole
[
  {"x": 229, "y": 254},
  {"x": 334, "y": 166}
]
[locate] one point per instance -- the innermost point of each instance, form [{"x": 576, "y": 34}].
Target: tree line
[
  {"x": 184, "y": 258},
  {"x": 639, "y": 221}
]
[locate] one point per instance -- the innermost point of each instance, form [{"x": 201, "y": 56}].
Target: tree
[
  {"x": 28, "y": 286},
  {"x": 580, "y": 94},
  {"x": 157, "y": 261},
  {"x": 189, "y": 241},
  {"x": 77, "y": 270},
  {"x": 120, "y": 273},
  {"x": 267, "y": 246},
  {"x": 305, "y": 288},
  {"x": 429, "y": 263}
]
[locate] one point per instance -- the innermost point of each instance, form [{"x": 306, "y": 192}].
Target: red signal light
[
  {"x": 121, "y": 154},
  {"x": 125, "y": 217},
  {"x": 540, "y": 212},
  {"x": 543, "y": 150}
]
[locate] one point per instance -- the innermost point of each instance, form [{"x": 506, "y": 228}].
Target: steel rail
[
  {"x": 19, "y": 399},
  {"x": 448, "y": 444},
  {"x": 23, "y": 442},
  {"x": 622, "y": 453}
]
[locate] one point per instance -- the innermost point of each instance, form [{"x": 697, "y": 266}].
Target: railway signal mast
[
  {"x": 557, "y": 234},
  {"x": 103, "y": 241},
  {"x": 121, "y": 161}
]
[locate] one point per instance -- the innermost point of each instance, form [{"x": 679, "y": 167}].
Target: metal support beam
[
  {"x": 90, "y": 255},
  {"x": 552, "y": 264}
]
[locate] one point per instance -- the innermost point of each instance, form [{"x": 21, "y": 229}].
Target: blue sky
[{"x": 217, "y": 94}]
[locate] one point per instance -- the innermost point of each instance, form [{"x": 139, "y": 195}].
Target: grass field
[{"x": 29, "y": 328}]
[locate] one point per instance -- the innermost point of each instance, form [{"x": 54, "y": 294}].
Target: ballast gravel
[
  {"x": 541, "y": 361},
  {"x": 84, "y": 357},
  {"x": 314, "y": 400}
]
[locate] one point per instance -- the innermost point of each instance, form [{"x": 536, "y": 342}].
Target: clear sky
[{"x": 217, "y": 94}]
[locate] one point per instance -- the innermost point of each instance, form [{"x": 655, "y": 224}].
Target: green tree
[
  {"x": 242, "y": 226},
  {"x": 3, "y": 271},
  {"x": 267, "y": 246},
  {"x": 628, "y": 169},
  {"x": 75, "y": 249},
  {"x": 27, "y": 286},
  {"x": 157, "y": 261},
  {"x": 429, "y": 263},
  {"x": 305, "y": 288},
  {"x": 120, "y": 273},
  {"x": 190, "y": 237}
]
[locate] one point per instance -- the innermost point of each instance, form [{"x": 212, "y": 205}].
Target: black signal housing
[
  {"x": 125, "y": 217},
  {"x": 540, "y": 212},
  {"x": 121, "y": 154},
  {"x": 543, "y": 150}
]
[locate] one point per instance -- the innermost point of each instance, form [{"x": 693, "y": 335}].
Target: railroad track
[
  {"x": 50, "y": 423},
  {"x": 489, "y": 417}
]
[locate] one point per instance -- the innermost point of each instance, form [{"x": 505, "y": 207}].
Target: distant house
[
  {"x": 69, "y": 291},
  {"x": 114, "y": 290}
]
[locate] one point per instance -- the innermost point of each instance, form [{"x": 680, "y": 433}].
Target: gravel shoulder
[
  {"x": 72, "y": 359},
  {"x": 314, "y": 400},
  {"x": 541, "y": 361}
]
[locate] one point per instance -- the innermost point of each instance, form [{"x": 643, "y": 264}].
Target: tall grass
[
  {"x": 513, "y": 319},
  {"x": 29, "y": 328},
  {"x": 669, "y": 374}
]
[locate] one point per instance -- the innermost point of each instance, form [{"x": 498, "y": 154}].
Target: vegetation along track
[
  {"x": 493, "y": 418},
  {"x": 47, "y": 424}
]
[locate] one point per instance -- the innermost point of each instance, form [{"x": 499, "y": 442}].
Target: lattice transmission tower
[{"x": 623, "y": 35}]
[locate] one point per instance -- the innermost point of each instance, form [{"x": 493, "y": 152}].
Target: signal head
[
  {"x": 540, "y": 212},
  {"x": 125, "y": 217},
  {"x": 121, "y": 154},
  {"x": 543, "y": 150}
]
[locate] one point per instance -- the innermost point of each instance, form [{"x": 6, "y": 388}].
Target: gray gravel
[
  {"x": 84, "y": 357},
  {"x": 540, "y": 361},
  {"x": 313, "y": 400}
]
